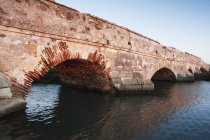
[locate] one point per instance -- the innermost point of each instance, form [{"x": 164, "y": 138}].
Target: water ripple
[{"x": 178, "y": 111}]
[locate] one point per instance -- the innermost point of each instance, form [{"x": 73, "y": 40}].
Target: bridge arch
[
  {"x": 164, "y": 74},
  {"x": 62, "y": 59}
]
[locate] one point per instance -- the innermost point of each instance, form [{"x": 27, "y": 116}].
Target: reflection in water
[
  {"x": 42, "y": 108},
  {"x": 175, "y": 111}
]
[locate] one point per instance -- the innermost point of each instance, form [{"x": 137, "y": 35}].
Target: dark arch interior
[
  {"x": 202, "y": 69},
  {"x": 164, "y": 74},
  {"x": 50, "y": 77},
  {"x": 190, "y": 70},
  {"x": 78, "y": 73}
]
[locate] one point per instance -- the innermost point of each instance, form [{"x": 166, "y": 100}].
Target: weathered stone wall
[
  {"x": 32, "y": 29},
  {"x": 5, "y": 85}
]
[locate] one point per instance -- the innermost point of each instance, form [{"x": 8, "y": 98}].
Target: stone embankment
[
  {"x": 8, "y": 104},
  {"x": 5, "y": 85},
  {"x": 202, "y": 76},
  {"x": 186, "y": 77}
]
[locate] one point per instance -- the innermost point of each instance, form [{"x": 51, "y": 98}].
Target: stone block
[
  {"x": 116, "y": 80},
  {"x": 148, "y": 87},
  {"x": 139, "y": 81},
  {"x": 4, "y": 82},
  {"x": 127, "y": 69},
  {"x": 136, "y": 68},
  {"x": 5, "y": 93},
  {"x": 114, "y": 74},
  {"x": 129, "y": 81},
  {"x": 148, "y": 82},
  {"x": 185, "y": 77},
  {"x": 111, "y": 61},
  {"x": 138, "y": 76},
  {"x": 135, "y": 87},
  {"x": 8, "y": 106},
  {"x": 130, "y": 88},
  {"x": 126, "y": 75},
  {"x": 110, "y": 54}
]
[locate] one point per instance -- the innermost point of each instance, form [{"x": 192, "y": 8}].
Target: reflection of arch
[
  {"x": 164, "y": 74},
  {"x": 52, "y": 56}
]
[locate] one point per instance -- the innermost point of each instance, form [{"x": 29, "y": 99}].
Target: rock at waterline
[{"x": 8, "y": 106}]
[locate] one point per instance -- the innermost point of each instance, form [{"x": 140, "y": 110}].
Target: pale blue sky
[{"x": 183, "y": 24}]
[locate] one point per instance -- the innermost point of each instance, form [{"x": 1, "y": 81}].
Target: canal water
[{"x": 176, "y": 111}]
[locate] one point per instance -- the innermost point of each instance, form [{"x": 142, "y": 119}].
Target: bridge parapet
[{"x": 71, "y": 23}]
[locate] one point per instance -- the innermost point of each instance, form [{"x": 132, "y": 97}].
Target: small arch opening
[
  {"x": 203, "y": 70},
  {"x": 164, "y": 74},
  {"x": 190, "y": 70}
]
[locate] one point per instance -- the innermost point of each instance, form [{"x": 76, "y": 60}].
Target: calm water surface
[{"x": 176, "y": 111}]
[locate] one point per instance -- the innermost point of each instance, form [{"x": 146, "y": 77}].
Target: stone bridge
[{"x": 87, "y": 51}]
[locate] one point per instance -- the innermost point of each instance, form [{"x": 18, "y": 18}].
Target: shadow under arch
[
  {"x": 81, "y": 73},
  {"x": 164, "y": 74}
]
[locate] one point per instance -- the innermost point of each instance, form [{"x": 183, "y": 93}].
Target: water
[{"x": 176, "y": 111}]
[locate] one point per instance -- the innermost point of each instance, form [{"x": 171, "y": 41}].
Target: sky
[{"x": 183, "y": 24}]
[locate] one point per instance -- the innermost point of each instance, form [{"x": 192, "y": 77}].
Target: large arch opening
[
  {"x": 81, "y": 69},
  {"x": 81, "y": 73},
  {"x": 164, "y": 74},
  {"x": 77, "y": 73}
]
